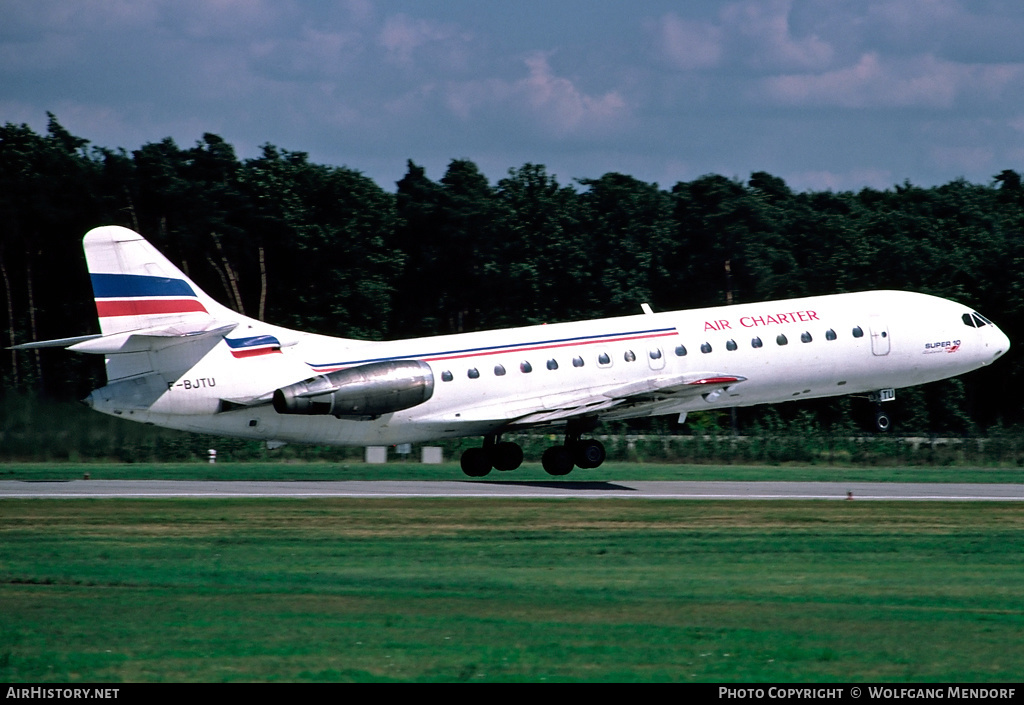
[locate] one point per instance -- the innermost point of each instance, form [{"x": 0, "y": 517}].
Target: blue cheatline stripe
[
  {"x": 117, "y": 286},
  {"x": 517, "y": 347},
  {"x": 249, "y": 342}
]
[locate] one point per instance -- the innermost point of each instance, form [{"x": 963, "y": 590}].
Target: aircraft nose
[{"x": 999, "y": 343}]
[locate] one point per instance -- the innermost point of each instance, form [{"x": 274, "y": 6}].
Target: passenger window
[
  {"x": 681, "y": 351},
  {"x": 473, "y": 373},
  {"x": 577, "y": 362},
  {"x": 629, "y": 356},
  {"x": 805, "y": 337},
  {"x": 655, "y": 354},
  {"x": 552, "y": 364},
  {"x": 447, "y": 376},
  {"x": 525, "y": 367},
  {"x": 499, "y": 370},
  {"x": 858, "y": 332},
  {"x": 756, "y": 343},
  {"x": 705, "y": 348},
  {"x": 830, "y": 334},
  {"x": 782, "y": 340},
  {"x": 604, "y": 360},
  {"x": 730, "y": 345}
]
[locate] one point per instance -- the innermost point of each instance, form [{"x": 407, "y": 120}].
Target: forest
[{"x": 326, "y": 249}]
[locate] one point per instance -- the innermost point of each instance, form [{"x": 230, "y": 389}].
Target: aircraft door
[{"x": 879, "y": 336}]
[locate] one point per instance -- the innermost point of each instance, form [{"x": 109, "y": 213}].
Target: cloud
[
  {"x": 551, "y": 103},
  {"x": 564, "y": 107},
  {"x": 688, "y": 45},
  {"x": 762, "y": 32},
  {"x": 879, "y": 82},
  {"x": 758, "y": 35},
  {"x": 403, "y": 37}
]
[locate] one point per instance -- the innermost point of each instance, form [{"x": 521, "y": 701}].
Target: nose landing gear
[{"x": 882, "y": 421}]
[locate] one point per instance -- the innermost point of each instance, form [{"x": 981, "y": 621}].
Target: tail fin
[{"x": 137, "y": 288}]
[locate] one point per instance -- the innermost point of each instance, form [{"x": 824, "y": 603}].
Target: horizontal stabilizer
[
  {"x": 150, "y": 339},
  {"x": 57, "y": 343},
  {"x": 134, "y": 341}
]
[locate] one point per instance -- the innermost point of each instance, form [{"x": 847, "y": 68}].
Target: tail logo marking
[{"x": 140, "y": 295}]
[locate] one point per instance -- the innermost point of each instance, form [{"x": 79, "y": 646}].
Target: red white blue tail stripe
[{"x": 140, "y": 295}]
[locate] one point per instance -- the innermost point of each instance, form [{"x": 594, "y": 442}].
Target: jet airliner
[{"x": 177, "y": 358}]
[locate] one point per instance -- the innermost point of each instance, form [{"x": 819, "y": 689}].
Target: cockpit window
[{"x": 975, "y": 320}]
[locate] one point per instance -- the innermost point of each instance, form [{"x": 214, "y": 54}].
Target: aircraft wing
[
  {"x": 647, "y": 397},
  {"x": 651, "y": 396}
]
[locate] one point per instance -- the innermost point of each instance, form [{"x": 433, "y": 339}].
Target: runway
[{"x": 664, "y": 490}]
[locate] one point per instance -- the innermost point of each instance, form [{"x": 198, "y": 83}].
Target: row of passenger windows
[
  {"x": 604, "y": 359},
  {"x": 780, "y": 339}
]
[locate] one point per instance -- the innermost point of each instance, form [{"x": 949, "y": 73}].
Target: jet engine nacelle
[{"x": 367, "y": 390}]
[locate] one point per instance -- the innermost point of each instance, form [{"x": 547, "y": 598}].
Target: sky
[{"x": 827, "y": 94}]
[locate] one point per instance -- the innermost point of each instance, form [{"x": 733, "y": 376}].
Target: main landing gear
[
  {"x": 575, "y": 452},
  {"x": 503, "y": 456},
  {"x": 557, "y": 460}
]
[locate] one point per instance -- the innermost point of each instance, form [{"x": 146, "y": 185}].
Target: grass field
[{"x": 501, "y": 590}]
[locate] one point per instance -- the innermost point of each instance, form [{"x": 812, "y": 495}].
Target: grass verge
[{"x": 502, "y": 590}]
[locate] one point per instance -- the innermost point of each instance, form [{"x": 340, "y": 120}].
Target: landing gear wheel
[
  {"x": 557, "y": 460},
  {"x": 506, "y": 456},
  {"x": 588, "y": 454},
  {"x": 475, "y": 462},
  {"x": 882, "y": 421}
]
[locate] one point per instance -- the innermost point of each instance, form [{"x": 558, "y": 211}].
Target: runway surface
[{"x": 128, "y": 489}]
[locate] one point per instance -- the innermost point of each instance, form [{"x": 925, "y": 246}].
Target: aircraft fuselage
[{"x": 793, "y": 349}]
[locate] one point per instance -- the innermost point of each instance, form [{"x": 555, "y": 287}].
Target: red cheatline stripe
[{"x": 146, "y": 307}]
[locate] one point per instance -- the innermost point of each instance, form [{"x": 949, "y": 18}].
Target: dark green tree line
[{"x": 326, "y": 249}]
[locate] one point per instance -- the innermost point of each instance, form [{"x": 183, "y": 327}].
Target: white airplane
[{"x": 177, "y": 358}]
